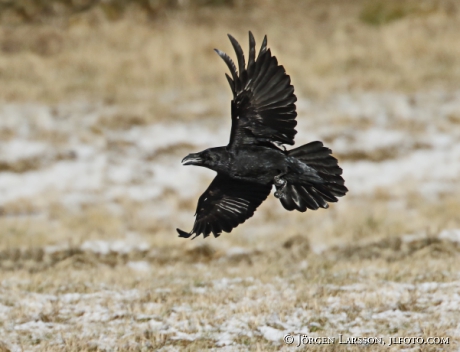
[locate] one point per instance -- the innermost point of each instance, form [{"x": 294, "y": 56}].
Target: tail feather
[
  {"x": 320, "y": 199},
  {"x": 296, "y": 198},
  {"x": 314, "y": 195},
  {"x": 308, "y": 149},
  {"x": 309, "y": 201},
  {"x": 287, "y": 198}
]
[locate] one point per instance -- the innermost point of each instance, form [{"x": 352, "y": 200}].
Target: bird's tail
[{"x": 313, "y": 194}]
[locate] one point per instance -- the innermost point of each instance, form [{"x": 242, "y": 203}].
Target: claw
[
  {"x": 280, "y": 184},
  {"x": 279, "y": 181},
  {"x": 279, "y": 193}
]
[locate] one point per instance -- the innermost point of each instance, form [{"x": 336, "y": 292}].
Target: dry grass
[
  {"x": 152, "y": 64},
  {"x": 206, "y": 283},
  {"x": 344, "y": 270}
]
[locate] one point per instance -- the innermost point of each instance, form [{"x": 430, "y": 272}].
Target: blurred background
[{"x": 100, "y": 101}]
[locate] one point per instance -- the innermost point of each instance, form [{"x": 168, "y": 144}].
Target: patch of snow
[
  {"x": 271, "y": 334},
  {"x": 169, "y": 349},
  {"x": 369, "y": 139},
  {"x": 428, "y": 286},
  {"x": 233, "y": 328},
  {"x": 161, "y": 135},
  {"x": 199, "y": 290},
  {"x": 392, "y": 315},
  {"x": 102, "y": 317},
  {"x": 142, "y": 266},
  {"x": 418, "y": 167},
  {"x": 413, "y": 237},
  {"x": 450, "y": 235},
  {"x": 225, "y": 339},
  {"x": 179, "y": 309},
  {"x": 70, "y": 297},
  {"x": 117, "y": 246},
  {"x": 234, "y": 251},
  {"x": 162, "y": 290},
  {"x": 4, "y": 309},
  {"x": 184, "y": 336},
  {"x": 17, "y": 149},
  {"x": 156, "y": 325},
  {"x": 78, "y": 175},
  {"x": 225, "y": 283},
  {"x": 102, "y": 173}
]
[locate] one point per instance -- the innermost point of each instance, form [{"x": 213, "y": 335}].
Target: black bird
[{"x": 263, "y": 119}]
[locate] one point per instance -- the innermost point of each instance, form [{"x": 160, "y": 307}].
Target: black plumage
[{"x": 263, "y": 119}]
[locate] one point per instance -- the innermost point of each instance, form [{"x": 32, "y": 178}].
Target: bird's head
[{"x": 212, "y": 158}]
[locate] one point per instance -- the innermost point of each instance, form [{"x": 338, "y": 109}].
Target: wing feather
[
  {"x": 263, "y": 47},
  {"x": 229, "y": 62},
  {"x": 226, "y": 204},
  {"x": 230, "y": 82},
  {"x": 263, "y": 105},
  {"x": 239, "y": 53},
  {"x": 252, "y": 54}
]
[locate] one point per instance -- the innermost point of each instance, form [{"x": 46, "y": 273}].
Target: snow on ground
[
  {"x": 387, "y": 142},
  {"x": 411, "y": 130},
  {"x": 99, "y": 318}
]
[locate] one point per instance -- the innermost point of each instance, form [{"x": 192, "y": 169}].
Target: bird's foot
[
  {"x": 279, "y": 181},
  {"x": 280, "y": 189},
  {"x": 280, "y": 192},
  {"x": 280, "y": 184}
]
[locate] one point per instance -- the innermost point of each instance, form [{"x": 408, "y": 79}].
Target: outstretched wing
[
  {"x": 226, "y": 204},
  {"x": 263, "y": 108}
]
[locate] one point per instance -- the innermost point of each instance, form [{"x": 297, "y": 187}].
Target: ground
[{"x": 91, "y": 187}]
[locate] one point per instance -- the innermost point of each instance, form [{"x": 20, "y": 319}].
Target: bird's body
[
  {"x": 254, "y": 163},
  {"x": 263, "y": 117},
  {"x": 261, "y": 164}
]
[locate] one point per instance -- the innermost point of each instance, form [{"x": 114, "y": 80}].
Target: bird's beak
[{"x": 192, "y": 159}]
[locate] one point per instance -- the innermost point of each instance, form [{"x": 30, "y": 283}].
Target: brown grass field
[{"x": 97, "y": 108}]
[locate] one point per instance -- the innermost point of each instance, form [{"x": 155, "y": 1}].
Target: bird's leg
[
  {"x": 280, "y": 184},
  {"x": 279, "y": 181},
  {"x": 279, "y": 193}
]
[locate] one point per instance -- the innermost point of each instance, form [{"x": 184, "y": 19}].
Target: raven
[{"x": 263, "y": 120}]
